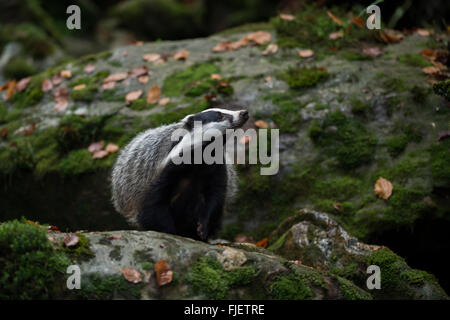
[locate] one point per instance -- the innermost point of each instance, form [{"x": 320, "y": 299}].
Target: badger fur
[{"x": 153, "y": 193}]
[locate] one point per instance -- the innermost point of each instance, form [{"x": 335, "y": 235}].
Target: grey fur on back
[{"x": 139, "y": 164}]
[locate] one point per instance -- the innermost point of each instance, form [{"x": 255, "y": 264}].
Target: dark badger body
[{"x": 184, "y": 199}]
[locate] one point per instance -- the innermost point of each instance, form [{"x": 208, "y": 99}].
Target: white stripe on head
[{"x": 235, "y": 114}]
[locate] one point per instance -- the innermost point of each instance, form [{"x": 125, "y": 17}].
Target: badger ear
[{"x": 189, "y": 122}]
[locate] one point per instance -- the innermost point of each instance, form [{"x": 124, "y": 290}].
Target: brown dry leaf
[
  {"x": 46, "y": 85},
  {"x": 57, "y": 79},
  {"x": 423, "y": 32},
  {"x": 286, "y": 16},
  {"x": 390, "y": 36},
  {"x": 337, "y": 206},
  {"x": 71, "y": 240},
  {"x": 143, "y": 79},
  {"x": 137, "y": 72},
  {"x": 259, "y": 37},
  {"x": 358, "y": 21},
  {"x": 30, "y": 129},
  {"x": 438, "y": 65},
  {"x": 244, "y": 140},
  {"x": 79, "y": 87},
  {"x": 163, "y": 273},
  {"x": 429, "y": 54},
  {"x": 11, "y": 89},
  {"x": 133, "y": 95},
  {"x": 109, "y": 85},
  {"x": 89, "y": 68},
  {"x": 373, "y": 52},
  {"x": 383, "y": 188},
  {"x": 442, "y": 135},
  {"x": 4, "y": 132},
  {"x": 261, "y": 124},
  {"x": 305, "y": 53},
  {"x": 271, "y": 48},
  {"x": 163, "y": 101},
  {"x": 22, "y": 84},
  {"x": 99, "y": 154},
  {"x": 151, "y": 57},
  {"x": 334, "y": 18},
  {"x": 263, "y": 243},
  {"x": 181, "y": 55},
  {"x": 116, "y": 77},
  {"x": 153, "y": 94},
  {"x": 61, "y": 104},
  {"x": 131, "y": 275},
  {"x": 430, "y": 70},
  {"x": 243, "y": 238},
  {"x": 138, "y": 43},
  {"x": 115, "y": 236},
  {"x": 215, "y": 76},
  {"x": 96, "y": 146},
  {"x": 268, "y": 79},
  {"x": 60, "y": 93},
  {"x": 112, "y": 148},
  {"x": 66, "y": 74},
  {"x": 222, "y": 46},
  {"x": 336, "y": 35},
  {"x": 240, "y": 43}
]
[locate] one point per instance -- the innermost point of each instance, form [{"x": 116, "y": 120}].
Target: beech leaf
[
  {"x": 305, "y": 53},
  {"x": 383, "y": 188},
  {"x": 133, "y": 95},
  {"x": 181, "y": 55},
  {"x": 112, "y": 148},
  {"x": 71, "y": 240},
  {"x": 163, "y": 273},
  {"x": 153, "y": 94},
  {"x": 131, "y": 275}
]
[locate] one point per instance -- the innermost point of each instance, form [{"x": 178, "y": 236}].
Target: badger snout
[{"x": 242, "y": 118}]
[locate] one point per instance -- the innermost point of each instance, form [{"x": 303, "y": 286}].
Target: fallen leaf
[
  {"x": 79, "y": 87},
  {"x": 163, "y": 101},
  {"x": 151, "y": 57},
  {"x": 61, "y": 104},
  {"x": 430, "y": 70},
  {"x": 286, "y": 16},
  {"x": 138, "y": 43},
  {"x": 61, "y": 92},
  {"x": 89, "y": 68},
  {"x": 99, "y": 154},
  {"x": 96, "y": 146},
  {"x": 116, "y": 77},
  {"x": 268, "y": 79},
  {"x": 109, "y": 85},
  {"x": 4, "y": 132},
  {"x": 46, "y": 85},
  {"x": 423, "y": 32},
  {"x": 259, "y": 37},
  {"x": 11, "y": 90},
  {"x": 358, "y": 21},
  {"x": 261, "y": 124},
  {"x": 112, "y": 148},
  {"x": 143, "y": 79},
  {"x": 337, "y": 206},
  {"x": 271, "y": 48},
  {"x": 443, "y": 135},
  {"x": 133, "y": 95},
  {"x": 297, "y": 262},
  {"x": 215, "y": 76},
  {"x": 66, "y": 74},
  {"x": 115, "y": 236},
  {"x": 153, "y": 94},
  {"x": 30, "y": 129},
  {"x": 242, "y": 238},
  {"x": 373, "y": 52},
  {"x": 57, "y": 79},
  {"x": 244, "y": 140},
  {"x": 390, "y": 36},
  {"x": 336, "y": 35},
  {"x": 131, "y": 275},
  {"x": 22, "y": 84},
  {"x": 383, "y": 188},
  {"x": 429, "y": 53},
  {"x": 163, "y": 273},
  {"x": 334, "y": 18},
  {"x": 181, "y": 55},
  {"x": 137, "y": 72},
  {"x": 263, "y": 243},
  {"x": 71, "y": 240},
  {"x": 222, "y": 46},
  {"x": 305, "y": 53}
]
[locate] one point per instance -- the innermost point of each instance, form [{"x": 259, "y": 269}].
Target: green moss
[
  {"x": 30, "y": 267},
  {"x": 405, "y": 206},
  {"x": 394, "y": 85},
  {"x": 3, "y": 113},
  {"x": 303, "y": 77},
  {"x": 345, "y": 138},
  {"x": 440, "y": 158},
  {"x": 115, "y": 253},
  {"x": 18, "y": 68},
  {"x": 207, "y": 277},
  {"x": 139, "y": 105},
  {"x": 29, "y": 97},
  {"x": 443, "y": 89},
  {"x": 87, "y": 94},
  {"x": 359, "y": 107},
  {"x": 350, "y": 292},
  {"x": 354, "y": 56},
  {"x": 287, "y": 116},
  {"x": 76, "y": 162},
  {"x": 176, "y": 83},
  {"x": 337, "y": 189},
  {"x": 319, "y": 107},
  {"x": 396, "y": 144},
  {"x": 95, "y": 287},
  {"x": 81, "y": 251},
  {"x": 289, "y": 287},
  {"x": 147, "y": 265},
  {"x": 414, "y": 59},
  {"x": 419, "y": 94},
  {"x": 111, "y": 96}
]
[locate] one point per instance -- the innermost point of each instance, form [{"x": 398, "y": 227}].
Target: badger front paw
[{"x": 202, "y": 231}]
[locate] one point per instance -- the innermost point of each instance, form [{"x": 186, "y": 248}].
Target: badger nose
[{"x": 244, "y": 115}]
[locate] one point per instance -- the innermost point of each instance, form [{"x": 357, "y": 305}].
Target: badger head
[{"x": 217, "y": 118}]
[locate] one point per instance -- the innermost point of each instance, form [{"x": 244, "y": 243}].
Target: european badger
[{"x": 153, "y": 193}]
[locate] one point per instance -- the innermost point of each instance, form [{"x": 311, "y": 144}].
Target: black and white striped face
[{"x": 219, "y": 118}]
